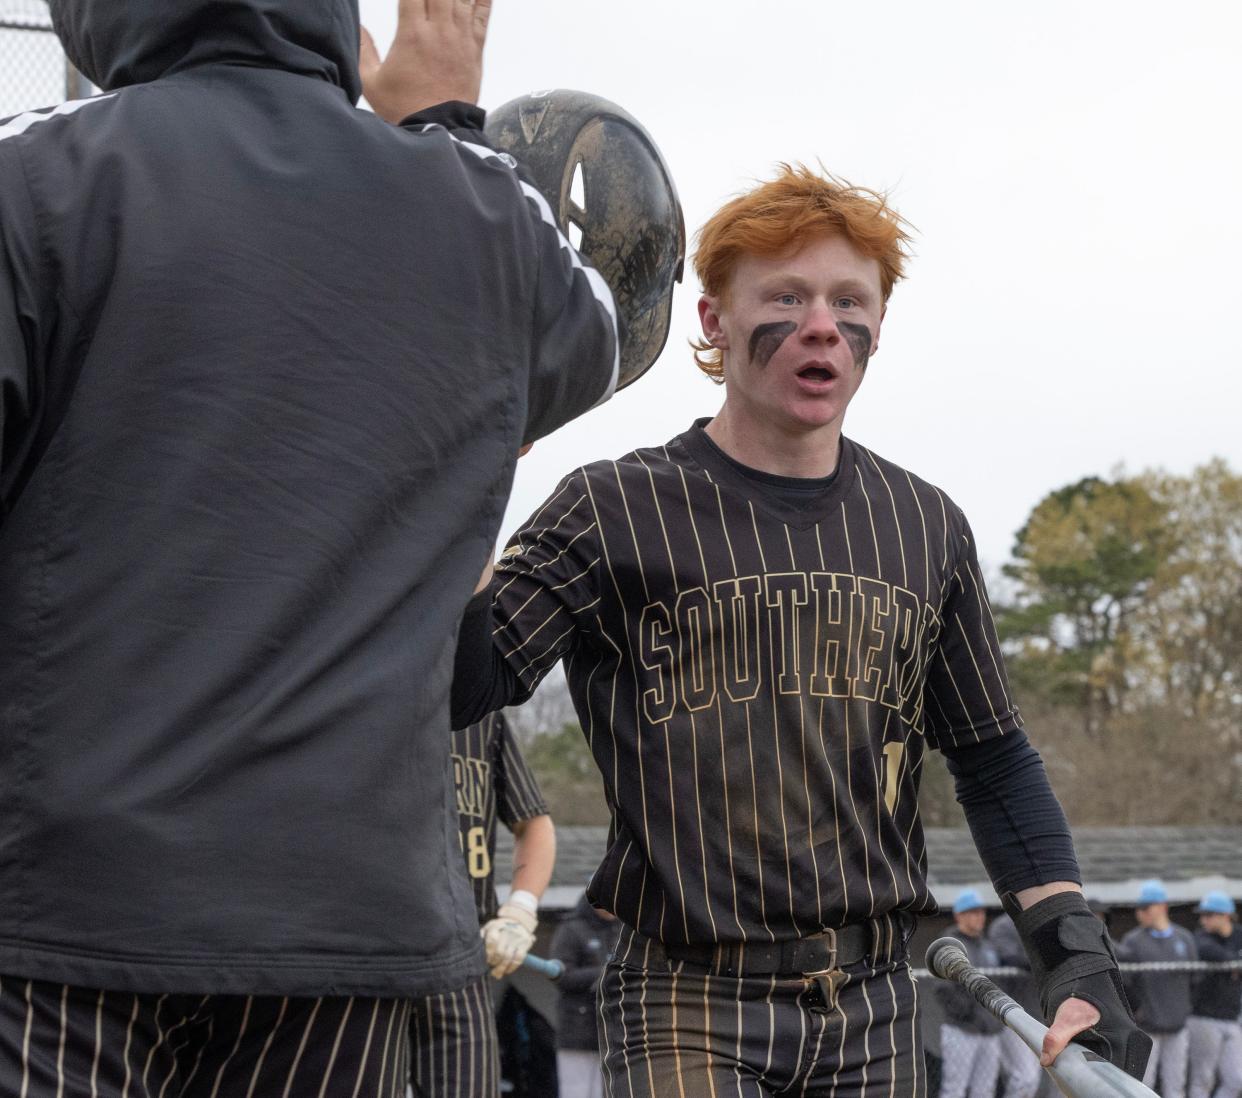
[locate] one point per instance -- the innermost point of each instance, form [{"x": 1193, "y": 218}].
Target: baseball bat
[
  {"x": 1076, "y": 1072},
  {"x": 545, "y": 966}
]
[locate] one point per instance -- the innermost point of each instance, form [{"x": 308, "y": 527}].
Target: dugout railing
[{"x": 1125, "y": 966}]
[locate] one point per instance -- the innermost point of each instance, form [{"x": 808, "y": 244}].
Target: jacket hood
[{"x": 120, "y": 42}]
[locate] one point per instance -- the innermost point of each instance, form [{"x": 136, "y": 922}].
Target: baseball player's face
[
  {"x": 971, "y": 922},
  {"x": 1216, "y": 923},
  {"x": 796, "y": 332}
]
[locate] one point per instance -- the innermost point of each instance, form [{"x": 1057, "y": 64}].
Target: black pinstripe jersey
[
  {"x": 757, "y": 681},
  {"x": 491, "y": 780}
]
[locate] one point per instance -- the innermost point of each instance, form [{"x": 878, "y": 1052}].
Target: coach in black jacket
[
  {"x": 265, "y": 364},
  {"x": 582, "y": 943}
]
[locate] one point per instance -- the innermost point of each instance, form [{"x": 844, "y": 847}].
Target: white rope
[{"x": 1128, "y": 966}]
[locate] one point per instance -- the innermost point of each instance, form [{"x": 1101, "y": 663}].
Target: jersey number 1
[{"x": 893, "y": 754}]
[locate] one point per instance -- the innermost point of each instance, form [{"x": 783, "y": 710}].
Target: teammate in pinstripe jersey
[
  {"x": 453, "y": 1036},
  {"x": 765, "y": 626}
]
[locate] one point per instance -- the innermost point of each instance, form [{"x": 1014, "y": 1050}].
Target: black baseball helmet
[{"x": 600, "y": 171}]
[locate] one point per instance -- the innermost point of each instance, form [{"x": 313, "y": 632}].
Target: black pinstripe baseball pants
[
  {"x": 454, "y": 1051},
  {"x": 669, "y": 1029},
  {"x": 58, "y": 1041}
]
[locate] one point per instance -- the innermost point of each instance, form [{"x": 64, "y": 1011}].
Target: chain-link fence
[{"x": 33, "y": 70}]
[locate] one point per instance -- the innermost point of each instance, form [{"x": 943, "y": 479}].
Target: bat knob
[{"x": 941, "y": 953}]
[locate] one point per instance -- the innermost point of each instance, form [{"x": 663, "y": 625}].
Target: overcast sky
[
  {"x": 1073, "y": 172},
  {"x": 1072, "y": 169}
]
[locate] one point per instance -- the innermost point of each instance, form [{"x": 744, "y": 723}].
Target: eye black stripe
[{"x": 766, "y": 340}]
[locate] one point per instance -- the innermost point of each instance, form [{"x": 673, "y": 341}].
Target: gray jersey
[{"x": 1161, "y": 1000}]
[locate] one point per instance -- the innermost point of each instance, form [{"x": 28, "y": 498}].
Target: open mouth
[{"x": 815, "y": 373}]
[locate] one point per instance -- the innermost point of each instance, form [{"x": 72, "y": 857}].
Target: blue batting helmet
[
  {"x": 1216, "y": 903},
  {"x": 967, "y": 900}
]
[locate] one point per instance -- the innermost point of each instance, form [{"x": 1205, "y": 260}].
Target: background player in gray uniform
[
  {"x": 1161, "y": 999},
  {"x": 970, "y": 1044},
  {"x": 453, "y": 1036},
  {"x": 1215, "y": 1029},
  {"x": 764, "y": 626},
  {"x": 1019, "y": 1065}
]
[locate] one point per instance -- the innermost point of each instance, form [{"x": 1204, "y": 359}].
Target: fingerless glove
[{"x": 1072, "y": 957}]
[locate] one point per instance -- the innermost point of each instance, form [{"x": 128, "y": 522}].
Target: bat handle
[
  {"x": 1077, "y": 1072},
  {"x": 545, "y": 966},
  {"x": 947, "y": 959}
]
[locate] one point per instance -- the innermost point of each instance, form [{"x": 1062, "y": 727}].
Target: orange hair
[{"x": 781, "y": 215}]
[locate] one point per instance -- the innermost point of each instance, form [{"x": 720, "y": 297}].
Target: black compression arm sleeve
[
  {"x": 1017, "y": 823},
  {"x": 482, "y": 681},
  {"x": 452, "y": 115}
]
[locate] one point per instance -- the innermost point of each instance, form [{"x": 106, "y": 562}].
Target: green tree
[
  {"x": 1083, "y": 564},
  {"x": 1125, "y": 623},
  {"x": 1192, "y": 626},
  {"x": 568, "y": 776}
]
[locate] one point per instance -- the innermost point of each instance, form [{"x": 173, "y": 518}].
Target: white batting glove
[{"x": 508, "y": 937}]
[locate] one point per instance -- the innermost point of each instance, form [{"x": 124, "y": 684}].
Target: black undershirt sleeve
[
  {"x": 1018, "y": 825},
  {"x": 482, "y": 681},
  {"x": 451, "y": 114}
]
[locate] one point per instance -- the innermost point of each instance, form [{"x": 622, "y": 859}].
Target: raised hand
[{"x": 436, "y": 55}]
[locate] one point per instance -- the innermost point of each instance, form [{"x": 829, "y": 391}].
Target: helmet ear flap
[{"x": 614, "y": 199}]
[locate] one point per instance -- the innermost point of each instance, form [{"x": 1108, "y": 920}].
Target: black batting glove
[{"x": 1071, "y": 957}]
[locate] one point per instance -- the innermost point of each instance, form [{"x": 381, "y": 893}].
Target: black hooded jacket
[
  {"x": 265, "y": 364},
  {"x": 583, "y": 942}
]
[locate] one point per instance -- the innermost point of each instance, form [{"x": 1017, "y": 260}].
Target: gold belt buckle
[{"x": 831, "y": 978}]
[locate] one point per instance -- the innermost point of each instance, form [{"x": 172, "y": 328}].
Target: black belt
[{"x": 819, "y": 953}]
